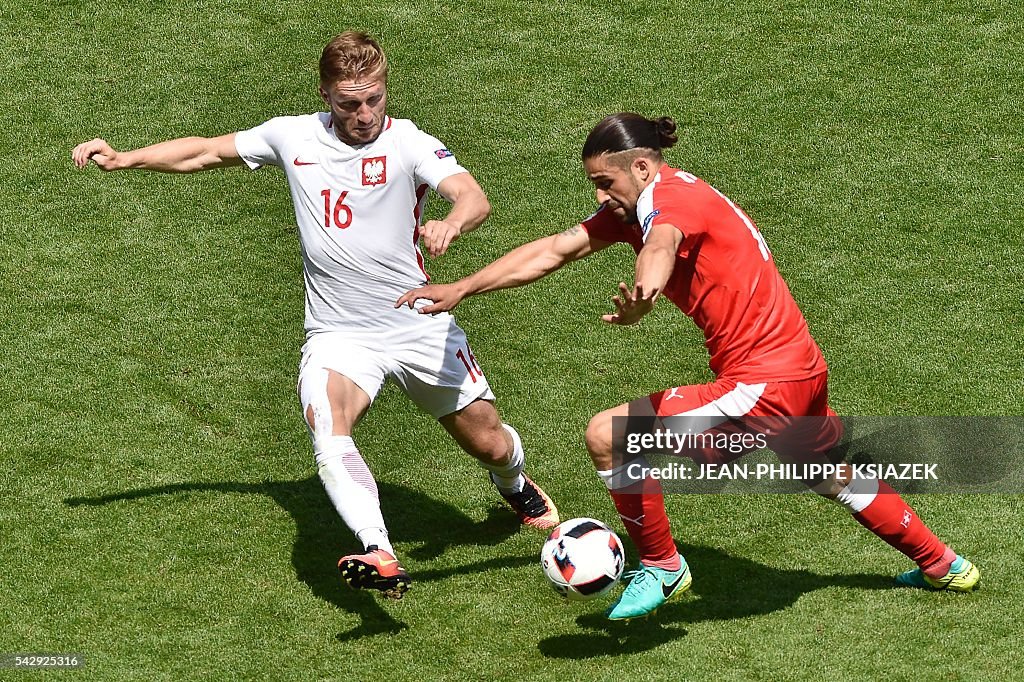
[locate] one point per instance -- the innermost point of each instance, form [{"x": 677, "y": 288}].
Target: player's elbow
[
  {"x": 474, "y": 195},
  {"x": 189, "y": 166},
  {"x": 213, "y": 152},
  {"x": 483, "y": 207},
  {"x": 472, "y": 209}
]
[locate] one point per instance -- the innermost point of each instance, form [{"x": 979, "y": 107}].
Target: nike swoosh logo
[
  {"x": 387, "y": 562},
  {"x": 668, "y": 588},
  {"x": 304, "y": 163}
]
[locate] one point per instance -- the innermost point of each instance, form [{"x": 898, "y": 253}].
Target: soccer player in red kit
[{"x": 701, "y": 251}]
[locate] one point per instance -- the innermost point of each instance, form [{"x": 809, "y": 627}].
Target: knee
[
  {"x": 325, "y": 419},
  {"x": 599, "y": 440},
  {"x": 491, "y": 446}
]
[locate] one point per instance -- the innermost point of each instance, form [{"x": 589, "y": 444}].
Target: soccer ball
[{"x": 582, "y": 558}]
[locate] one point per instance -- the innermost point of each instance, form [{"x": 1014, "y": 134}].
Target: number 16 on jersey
[{"x": 341, "y": 213}]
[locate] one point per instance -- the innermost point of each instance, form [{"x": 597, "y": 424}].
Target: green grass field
[{"x": 160, "y": 510}]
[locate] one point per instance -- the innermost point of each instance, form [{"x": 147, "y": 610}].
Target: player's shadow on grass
[
  {"x": 322, "y": 538},
  {"x": 724, "y": 588}
]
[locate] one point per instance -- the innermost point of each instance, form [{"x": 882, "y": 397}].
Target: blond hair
[{"x": 350, "y": 56}]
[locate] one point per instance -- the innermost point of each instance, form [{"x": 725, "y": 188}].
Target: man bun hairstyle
[
  {"x": 666, "y": 127},
  {"x": 628, "y": 131},
  {"x": 350, "y": 56}
]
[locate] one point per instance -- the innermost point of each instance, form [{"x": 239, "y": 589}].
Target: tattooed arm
[{"x": 523, "y": 265}]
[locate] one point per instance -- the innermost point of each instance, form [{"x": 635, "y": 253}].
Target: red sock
[
  {"x": 892, "y": 519},
  {"x": 643, "y": 515}
]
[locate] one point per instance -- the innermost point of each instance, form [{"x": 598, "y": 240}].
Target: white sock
[
  {"x": 376, "y": 537},
  {"x": 509, "y": 477},
  {"x": 624, "y": 475},
  {"x": 858, "y": 494},
  {"x": 855, "y": 495},
  {"x": 352, "y": 490}
]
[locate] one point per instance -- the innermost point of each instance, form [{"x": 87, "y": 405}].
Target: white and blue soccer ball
[{"x": 582, "y": 558}]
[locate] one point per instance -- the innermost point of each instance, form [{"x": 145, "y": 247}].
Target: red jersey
[{"x": 724, "y": 279}]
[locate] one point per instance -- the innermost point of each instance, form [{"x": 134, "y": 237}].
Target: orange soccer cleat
[
  {"x": 375, "y": 570},
  {"x": 533, "y": 506}
]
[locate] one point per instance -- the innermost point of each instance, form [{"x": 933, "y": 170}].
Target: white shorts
[{"x": 430, "y": 361}]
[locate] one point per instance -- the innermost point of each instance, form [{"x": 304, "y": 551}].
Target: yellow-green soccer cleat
[
  {"x": 649, "y": 588},
  {"x": 963, "y": 576}
]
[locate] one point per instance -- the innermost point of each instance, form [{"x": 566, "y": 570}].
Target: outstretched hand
[
  {"x": 444, "y": 297},
  {"x": 630, "y": 306},
  {"x": 97, "y": 151},
  {"x": 438, "y": 235}
]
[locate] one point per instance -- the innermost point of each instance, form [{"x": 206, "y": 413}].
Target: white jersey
[{"x": 358, "y": 210}]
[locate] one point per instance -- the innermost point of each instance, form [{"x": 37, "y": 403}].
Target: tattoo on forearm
[{"x": 572, "y": 231}]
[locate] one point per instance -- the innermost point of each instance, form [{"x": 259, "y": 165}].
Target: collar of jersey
[{"x": 326, "y": 135}]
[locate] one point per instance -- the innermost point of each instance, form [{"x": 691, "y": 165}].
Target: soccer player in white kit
[{"x": 359, "y": 181}]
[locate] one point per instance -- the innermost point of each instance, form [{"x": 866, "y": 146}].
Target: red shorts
[{"x": 794, "y": 416}]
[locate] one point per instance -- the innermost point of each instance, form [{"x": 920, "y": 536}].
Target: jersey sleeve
[
  {"x": 605, "y": 226},
  {"x": 430, "y": 161},
  {"x": 260, "y": 146},
  {"x": 670, "y": 201}
]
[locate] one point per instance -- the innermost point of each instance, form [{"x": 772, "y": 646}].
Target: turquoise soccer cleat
[
  {"x": 649, "y": 588},
  {"x": 963, "y": 576}
]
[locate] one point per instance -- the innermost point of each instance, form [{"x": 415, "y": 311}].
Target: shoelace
[
  {"x": 529, "y": 500},
  {"x": 637, "y": 577}
]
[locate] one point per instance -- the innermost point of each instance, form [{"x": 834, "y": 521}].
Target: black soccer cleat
[{"x": 532, "y": 506}]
